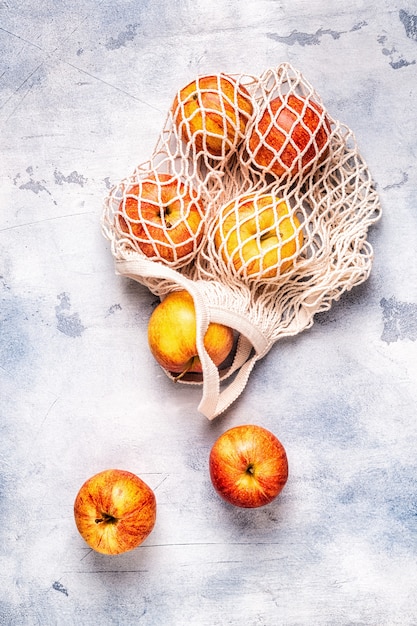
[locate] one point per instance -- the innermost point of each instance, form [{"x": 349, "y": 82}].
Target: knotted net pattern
[{"x": 262, "y": 213}]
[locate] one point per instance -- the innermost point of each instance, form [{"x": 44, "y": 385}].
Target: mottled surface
[{"x": 84, "y": 90}]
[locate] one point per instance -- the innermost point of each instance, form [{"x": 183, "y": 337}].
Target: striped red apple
[{"x": 248, "y": 466}]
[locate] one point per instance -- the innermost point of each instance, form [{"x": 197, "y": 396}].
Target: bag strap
[{"x": 252, "y": 344}]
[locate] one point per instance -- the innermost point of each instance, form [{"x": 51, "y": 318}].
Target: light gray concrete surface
[{"x": 84, "y": 92}]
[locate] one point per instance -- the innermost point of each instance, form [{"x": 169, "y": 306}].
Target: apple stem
[
  {"x": 106, "y": 519},
  {"x": 166, "y": 210},
  {"x": 185, "y": 370},
  {"x": 250, "y": 470}
]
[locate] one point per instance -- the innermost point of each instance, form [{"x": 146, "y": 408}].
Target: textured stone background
[{"x": 84, "y": 91}]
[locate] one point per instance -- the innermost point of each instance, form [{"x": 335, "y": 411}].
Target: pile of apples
[
  {"x": 163, "y": 215},
  {"x": 256, "y": 237}
]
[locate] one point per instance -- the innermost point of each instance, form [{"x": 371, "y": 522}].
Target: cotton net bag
[{"x": 257, "y": 202}]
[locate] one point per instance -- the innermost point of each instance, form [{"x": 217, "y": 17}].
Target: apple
[
  {"x": 163, "y": 218},
  {"x": 212, "y": 113},
  {"x": 258, "y": 236},
  {"x": 114, "y": 511},
  {"x": 172, "y": 336},
  {"x": 248, "y": 466},
  {"x": 290, "y": 135}
]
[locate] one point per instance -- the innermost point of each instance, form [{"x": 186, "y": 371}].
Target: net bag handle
[{"x": 252, "y": 344}]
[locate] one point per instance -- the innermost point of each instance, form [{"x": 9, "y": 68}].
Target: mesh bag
[{"x": 257, "y": 202}]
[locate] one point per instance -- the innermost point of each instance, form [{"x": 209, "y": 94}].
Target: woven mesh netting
[{"x": 258, "y": 203}]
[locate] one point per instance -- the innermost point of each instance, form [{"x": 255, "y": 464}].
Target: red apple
[
  {"x": 172, "y": 334},
  {"x": 211, "y": 113},
  {"x": 290, "y": 136},
  {"x": 163, "y": 218},
  {"x": 115, "y": 511},
  {"x": 248, "y": 466}
]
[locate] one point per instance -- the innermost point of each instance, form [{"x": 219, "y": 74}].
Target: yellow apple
[
  {"x": 258, "y": 236},
  {"x": 114, "y": 511},
  {"x": 172, "y": 336},
  {"x": 248, "y": 466},
  {"x": 212, "y": 113},
  {"x": 163, "y": 217}
]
